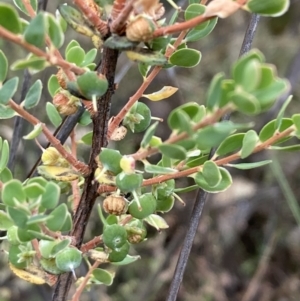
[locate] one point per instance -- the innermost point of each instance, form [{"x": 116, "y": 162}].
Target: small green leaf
[
  {"x": 197, "y": 34},
  {"x": 68, "y": 225},
  {"x": 3, "y": 66},
  {"x": 148, "y": 135},
  {"x": 89, "y": 57},
  {"x": 224, "y": 184},
  {"x": 14, "y": 257},
  {"x": 268, "y": 95},
  {"x": 85, "y": 118},
  {"x": 245, "y": 102},
  {"x": 245, "y": 166},
  {"x": 211, "y": 173},
  {"x": 75, "y": 55},
  {"x": 33, "y": 63},
  {"x": 239, "y": 66},
  {"x": 270, "y": 128},
  {"x": 37, "y": 219},
  {"x": 213, "y": 135},
  {"x": 33, "y": 190},
  {"x": 273, "y": 8},
  {"x": 127, "y": 260},
  {"x": 37, "y": 129},
  {"x": 296, "y": 121},
  {"x": 155, "y": 169},
  {"x": 59, "y": 215},
  {"x": 214, "y": 92},
  {"x": 230, "y": 144},
  {"x": 251, "y": 75},
  {"x": 33, "y": 95},
  {"x": 53, "y": 115},
  {"x": 110, "y": 159},
  {"x": 55, "y": 31},
  {"x": 195, "y": 10},
  {"x": 72, "y": 43},
  {"x": 9, "y": 18},
  {"x": 144, "y": 69},
  {"x": 5, "y": 221},
  {"x": 5, "y": 175},
  {"x": 6, "y": 112},
  {"x": 25, "y": 236},
  {"x": 289, "y": 148},
  {"x": 4, "y": 155},
  {"x": 58, "y": 247},
  {"x": 103, "y": 276},
  {"x": 186, "y": 189},
  {"x": 173, "y": 151},
  {"x": 281, "y": 112},
  {"x": 35, "y": 32},
  {"x": 8, "y": 90},
  {"x": 179, "y": 120},
  {"x": 187, "y": 58},
  {"x": 87, "y": 138},
  {"x": 68, "y": 259},
  {"x": 19, "y": 216},
  {"x": 92, "y": 85},
  {"x": 19, "y": 4},
  {"x": 51, "y": 195},
  {"x": 53, "y": 85},
  {"x": 12, "y": 191},
  {"x": 249, "y": 142},
  {"x": 156, "y": 221}
]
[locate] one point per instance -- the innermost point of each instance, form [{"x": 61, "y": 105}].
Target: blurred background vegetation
[{"x": 248, "y": 242}]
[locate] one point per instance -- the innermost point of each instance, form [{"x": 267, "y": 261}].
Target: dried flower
[
  {"x": 115, "y": 204},
  {"x": 65, "y": 103},
  {"x": 140, "y": 28}
]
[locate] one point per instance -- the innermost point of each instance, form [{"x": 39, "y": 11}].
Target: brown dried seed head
[
  {"x": 114, "y": 204},
  {"x": 65, "y": 104},
  {"x": 62, "y": 79},
  {"x": 140, "y": 29}
]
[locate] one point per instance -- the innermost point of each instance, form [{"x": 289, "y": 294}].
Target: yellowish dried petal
[
  {"x": 50, "y": 156},
  {"x": 33, "y": 275},
  {"x": 119, "y": 133},
  {"x": 165, "y": 92},
  {"x": 221, "y": 8},
  {"x": 58, "y": 173}
]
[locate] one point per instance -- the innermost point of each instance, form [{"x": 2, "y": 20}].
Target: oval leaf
[
  {"x": 8, "y": 90},
  {"x": 173, "y": 151},
  {"x": 249, "y": 142},
  {"x": 35, "y": 33},
  {"x": 9, "y": 18},
  {"x": 186, "y": 57},
  {"x": 165, "y": 92},
  {"x": 33, "y": 95},
  {"x": 211, "y": 173},
  {"x": 224, "y": 184},
  {"x": 3, "y": 66}
]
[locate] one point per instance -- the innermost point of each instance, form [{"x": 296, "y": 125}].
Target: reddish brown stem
[
  {"x": 118, "y": 6},
  {"x": 81, "y": 167},
  {"x": 119, "y": 23},
  {"x": 91, "y": 244},
  {"x": 89, "y": 9},
  {"x": 52, "y": 59}
]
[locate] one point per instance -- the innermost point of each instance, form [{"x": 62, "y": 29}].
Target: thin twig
[
  {"x": 85, "y": 280},
  {"x": 81, "y": 167},
  {"x": 119, "y": 23},
  {"x": 53, "y": 60},
  {"x": 138, "y": 94},
  {"x": 198, "y": 208}
]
